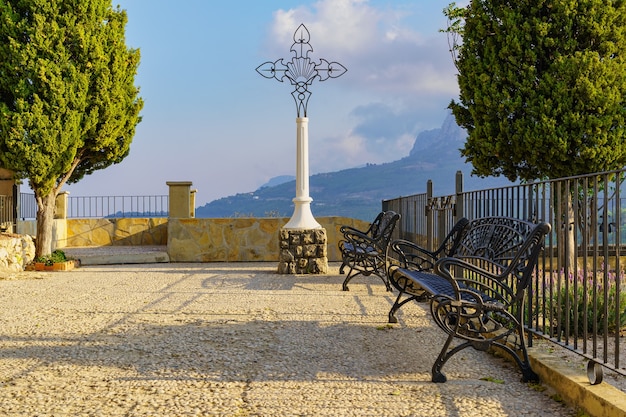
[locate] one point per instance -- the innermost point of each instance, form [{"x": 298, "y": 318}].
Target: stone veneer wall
[
  {"x": 115, "y": 232},
  {"x": 303, "y": 251},
  {"x": 241, "y": 239},
  {"x": 16, "y": 251},
  {"x": 193, "y": 239}
]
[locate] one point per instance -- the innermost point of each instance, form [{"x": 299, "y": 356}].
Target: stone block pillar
[
  {"x": 60, "y": 209},
  {"x": 303, "y": 251},
  {"x": 192, "y": 203},
  {"x": 179, "y": 199}
]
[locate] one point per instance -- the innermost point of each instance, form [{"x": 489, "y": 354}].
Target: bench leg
[
  {"x": 365, "y": 270},
  {"x": 528, "y": 375},
  {"x": 351, "y": 274},
  {"x": 523, "y": 362},
  {"x": 445, "y": 317},
  {"x": 396, "y": 306},
  {"x": 444, "y": 355}
]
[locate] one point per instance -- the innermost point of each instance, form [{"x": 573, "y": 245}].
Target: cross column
[{"x": 303, "y": 245}]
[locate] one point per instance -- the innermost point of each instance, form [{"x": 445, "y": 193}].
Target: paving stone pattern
[{"x": 233, "y": 340}]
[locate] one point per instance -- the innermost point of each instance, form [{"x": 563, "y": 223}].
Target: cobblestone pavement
[{"x": 234, "y": 340}]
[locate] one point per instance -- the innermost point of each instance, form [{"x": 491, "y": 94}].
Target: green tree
[
  {"x": 542, "y": 86},
  {"x": 68, "y": 103}
]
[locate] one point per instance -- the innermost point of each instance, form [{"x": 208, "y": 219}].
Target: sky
[{"x": 211, "y": 119}]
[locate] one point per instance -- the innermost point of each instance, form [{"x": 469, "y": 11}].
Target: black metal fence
[
  {"x": 118, "y": 206},
  {"x": 103, "y": 206},
  {"x": 28, "y": 207},
  {"x": 578, "y": 297},
  {"x": 6, "y": 212}
]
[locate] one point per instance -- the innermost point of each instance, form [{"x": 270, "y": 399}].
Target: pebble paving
[{"x": 234, "y": 340}]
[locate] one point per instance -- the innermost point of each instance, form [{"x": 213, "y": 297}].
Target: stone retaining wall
[
  {"x": 115, "y": 232},
  {"x": 16, "y": 251},
  {"x": 241, "y": 239},
  {"x": 194, "y": 239}
]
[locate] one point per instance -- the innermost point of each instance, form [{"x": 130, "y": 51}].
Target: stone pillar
[
  {"x": 303, "y": 242},
  {"x": 60, "y": 205},
  {"x": 179, "y": 199},
  {"x": 192, "y": 203},
  {"x": 303, "y": 251}
]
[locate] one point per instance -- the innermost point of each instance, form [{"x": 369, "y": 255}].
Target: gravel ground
[{"x": 234, "y": 340}]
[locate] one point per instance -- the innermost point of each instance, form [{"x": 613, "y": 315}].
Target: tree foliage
[
  {"x": 68, "y": 103},
  {"x": 542, "y": 86}
]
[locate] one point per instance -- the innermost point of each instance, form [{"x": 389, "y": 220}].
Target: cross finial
[{"x": 301, "y": 70}]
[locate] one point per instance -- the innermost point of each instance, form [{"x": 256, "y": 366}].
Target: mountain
[
  {"x": 281, "y": 179},
  {"x": 358, "y": 192}
]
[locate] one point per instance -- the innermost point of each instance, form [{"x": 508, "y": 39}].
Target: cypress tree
[
  {"x": 542, "y": 86},
  {"x": 68, "y": 103}
]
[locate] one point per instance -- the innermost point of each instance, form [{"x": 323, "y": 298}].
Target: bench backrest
[
  {"x": 451, "y": 242},
  {"x": 380, "y": 223},
  {"x": 383, "y": 227},
  {"x": 508, "y": 247}
]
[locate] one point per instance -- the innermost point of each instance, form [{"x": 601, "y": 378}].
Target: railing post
[
  {"x": 459, "y": 205},
  {"x": 16, "y": 205},
  {"x": 430, "y": 227},
  {"x": 180, "y": 199}
]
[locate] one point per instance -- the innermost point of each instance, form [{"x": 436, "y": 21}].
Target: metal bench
[
  {"x": 412, "y": 256},
  {"x": 477, "y": 294},
  {"x": 363, "y": 252}
]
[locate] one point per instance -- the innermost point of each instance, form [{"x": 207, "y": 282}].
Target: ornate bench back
[
  {"x": 506, "y": 247},
  {"x": 383, "y": 228}
]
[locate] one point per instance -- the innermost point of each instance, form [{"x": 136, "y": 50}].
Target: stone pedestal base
[{"x": 303, "y": 251}]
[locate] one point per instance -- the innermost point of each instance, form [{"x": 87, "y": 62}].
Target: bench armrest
[
  {"x": 350, "y": 229},
  {"x": 359, "y": 240},
  {"x": 411, "y": 256},
  {"x": 487, "y": 283}
]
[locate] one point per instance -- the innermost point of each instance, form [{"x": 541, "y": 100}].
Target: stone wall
[
  {"x": 241, "y": 239},
  {"x": 192, "y": 239},
  {"x": 303, "y": 251},
  {"x": 115, "y": 232},
  {"x": 16, "y": 251}
]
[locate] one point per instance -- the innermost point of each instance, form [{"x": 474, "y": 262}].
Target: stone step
[{"x": 112, "y": 255}]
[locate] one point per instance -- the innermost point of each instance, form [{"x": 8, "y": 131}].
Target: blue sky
[{"x": 210, "y": 118}]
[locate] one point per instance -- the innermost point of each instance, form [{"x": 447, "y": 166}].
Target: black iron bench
[
  {"x": 363, "y": 252},
  {"x": 414, "y": 257},
  {"x": 477, "y": 294}
]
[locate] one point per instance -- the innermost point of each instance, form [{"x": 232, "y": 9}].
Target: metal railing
[
  {"x": 118, "y": 206},
  {"x": 28, "y": 207},
  {"x": 578, "y": 297},
  {"x": 6, "y": 212},
  {"x": 102, "y": 206}
]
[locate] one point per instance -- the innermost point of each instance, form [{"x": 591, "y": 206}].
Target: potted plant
[{"x": 56, "y": 261}]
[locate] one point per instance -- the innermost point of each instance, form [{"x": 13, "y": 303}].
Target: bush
[
  {"x": 57, "y": 256},
  {"x": 580, "y": 305}
]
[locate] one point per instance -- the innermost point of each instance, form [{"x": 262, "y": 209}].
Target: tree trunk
[
  {"x": 567, "y": 238},
  {"x": 45, "y": 221}
]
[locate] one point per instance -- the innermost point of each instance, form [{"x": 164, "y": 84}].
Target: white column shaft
[
  {"x": 302, "y": 217},
  {"x": 302, "y": 160}
]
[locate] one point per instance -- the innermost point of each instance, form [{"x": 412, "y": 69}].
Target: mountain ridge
[{"x": 435, "y": 156}]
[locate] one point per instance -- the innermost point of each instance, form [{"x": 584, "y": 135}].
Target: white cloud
[
  {"x": 402, "y": 79},
  {"x": 374, "y": 44}
]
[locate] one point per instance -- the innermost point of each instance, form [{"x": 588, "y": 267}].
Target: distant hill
[
  {"x": 281, "y": 179},
  {"x": 358, "y": 192}
]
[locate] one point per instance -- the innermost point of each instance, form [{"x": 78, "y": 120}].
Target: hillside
[{"x": 358, "y": 192}]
